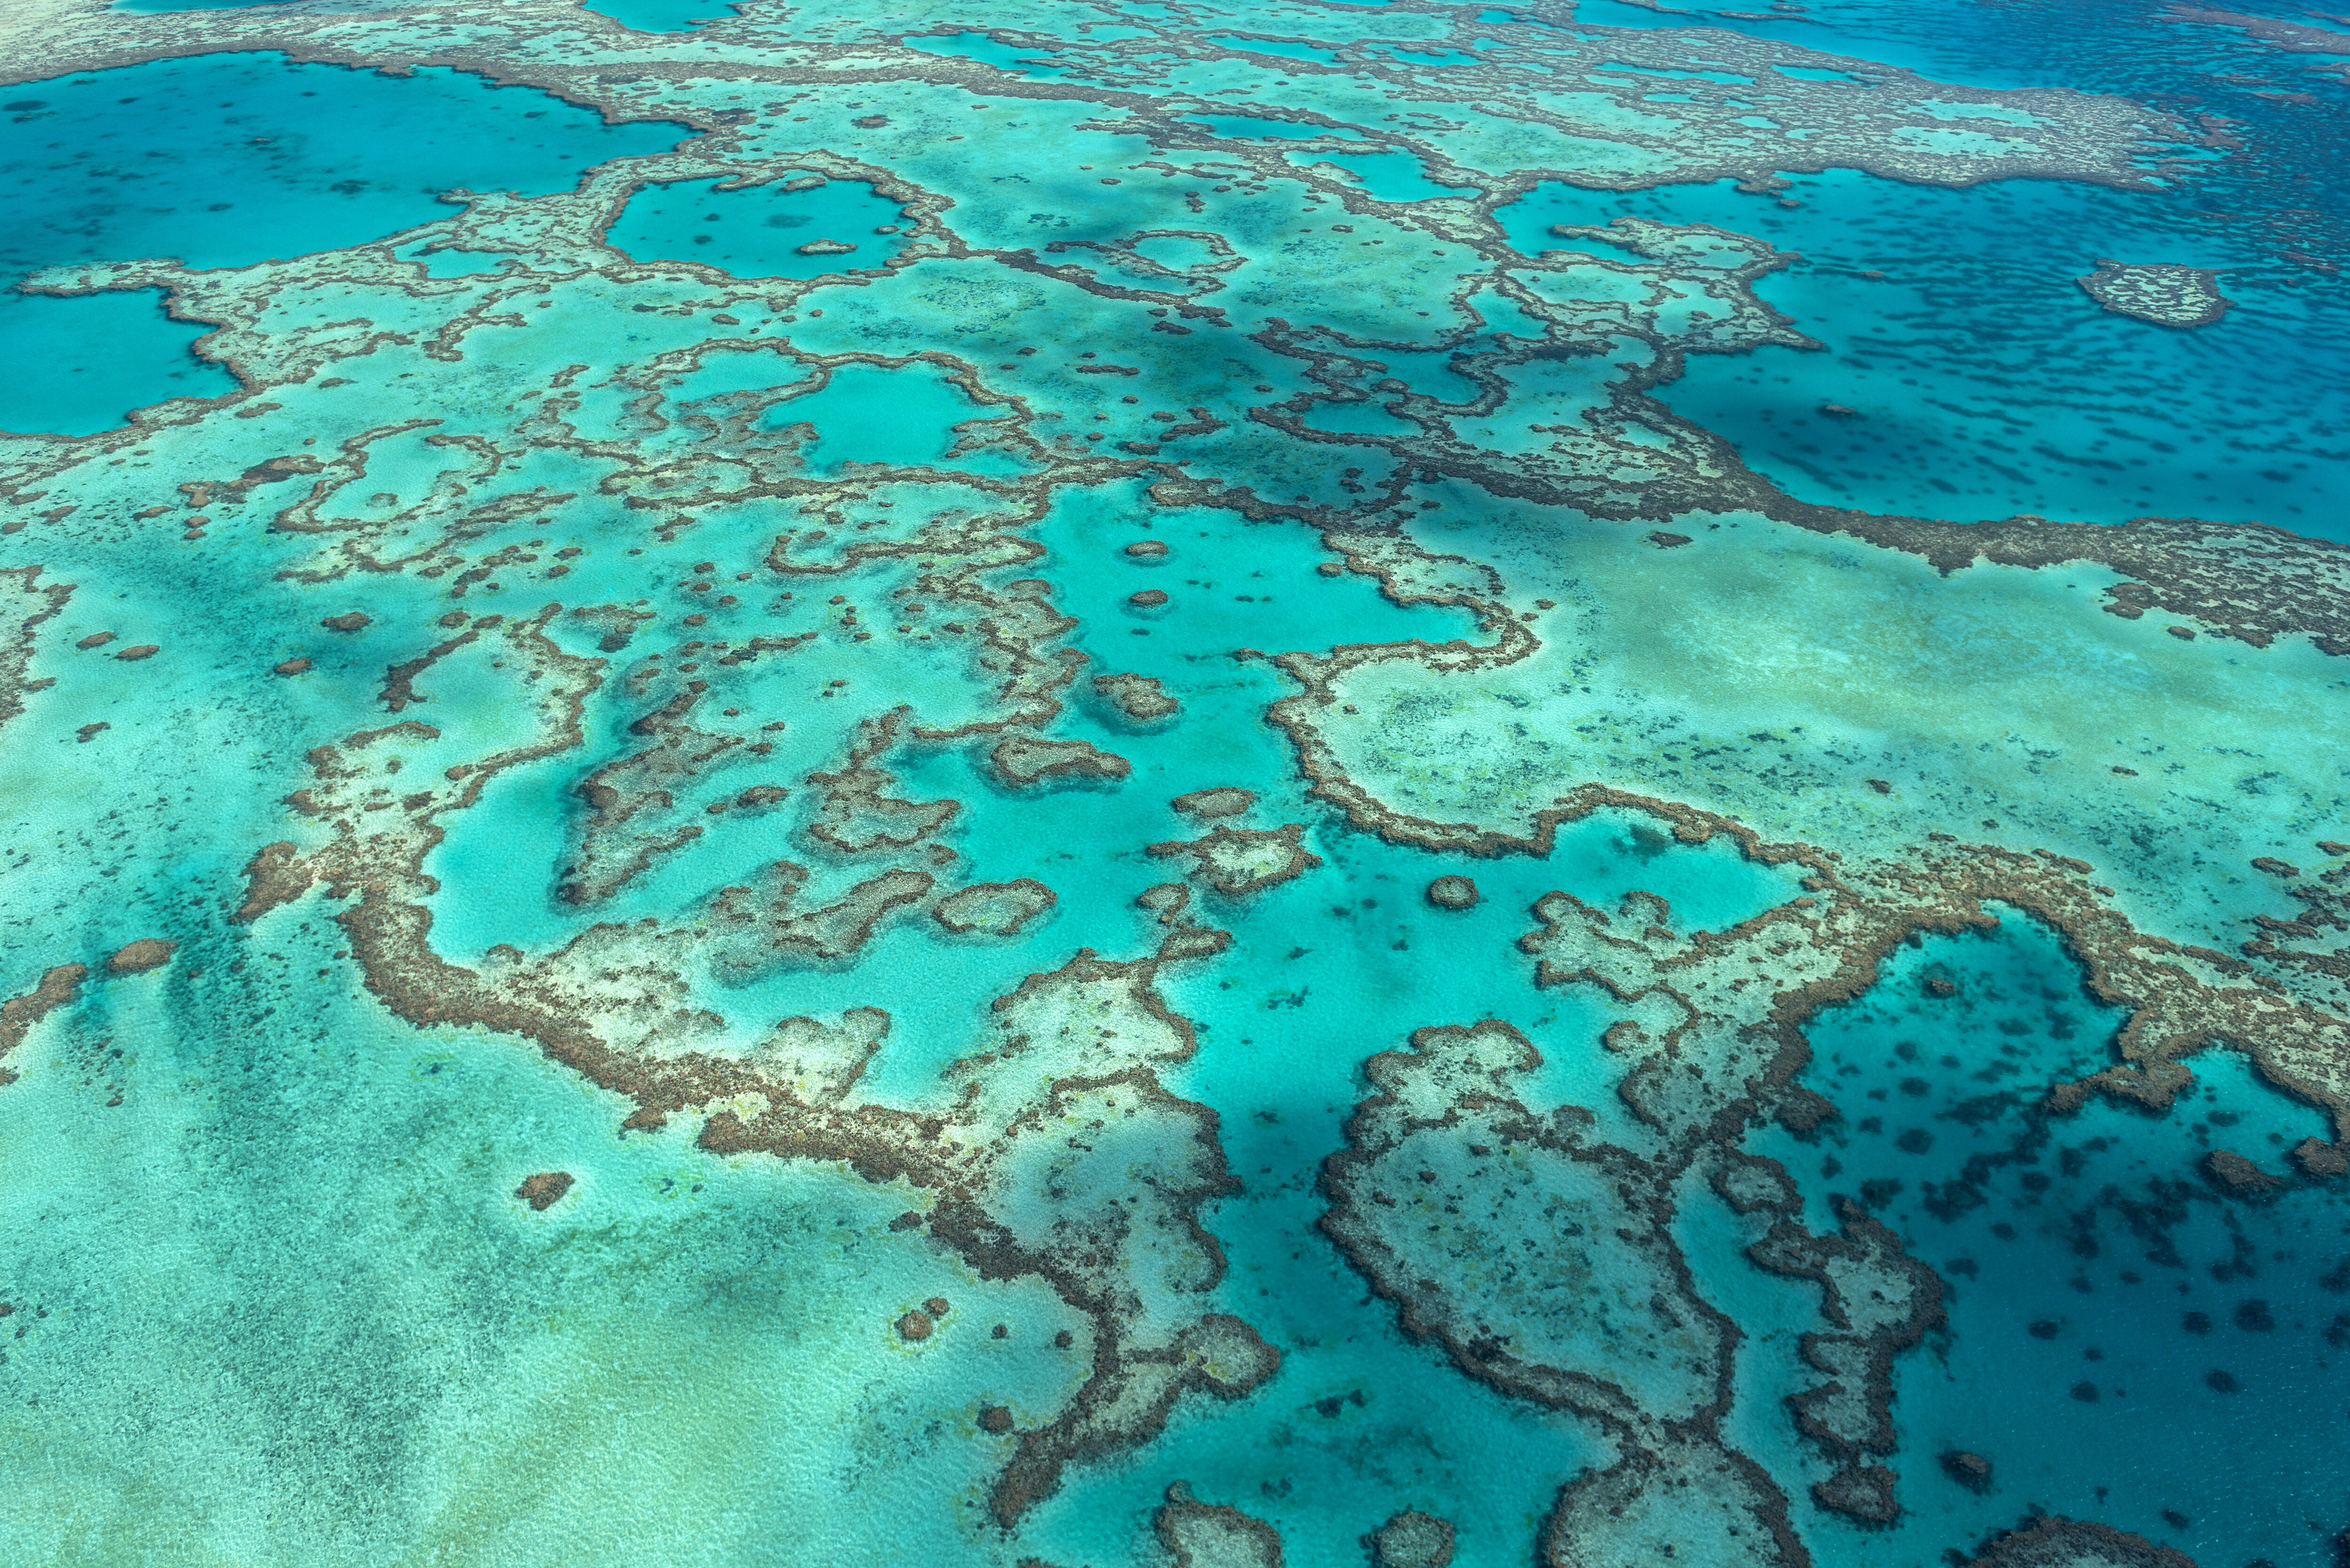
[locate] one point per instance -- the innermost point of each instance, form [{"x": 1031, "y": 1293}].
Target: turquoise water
[
  {"x": 873, "y": 416},
  {"x": 1351, "y": 953},
  {"x": 1389, "y": 176},
  {"x": 663, "y": 15},
  {"x": 224, "y": 160},
  {"x": 450, "y": 261},
  {"x": 71, "y": 391},
  {"x": 1026, "y": 62},
  {"x": 867, "y": 906},
  {"x": 152, "y": 7}
]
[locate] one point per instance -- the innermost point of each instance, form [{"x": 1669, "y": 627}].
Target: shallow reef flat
[{"x": 1104, "y": 783}]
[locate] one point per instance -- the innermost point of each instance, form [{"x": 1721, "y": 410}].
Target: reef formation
[{"x": 1042, "y": 786}]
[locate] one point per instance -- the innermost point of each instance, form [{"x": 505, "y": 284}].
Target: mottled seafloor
[{"x": 1082, "y": 785}]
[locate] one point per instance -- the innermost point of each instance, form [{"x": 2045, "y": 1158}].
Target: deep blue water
[
  {"x": 1977, "y": 351},
  {"x": 2100, "y": 1288},
  {"x": 224, "y": 160},
  {"x": 1977, "y": 348}
]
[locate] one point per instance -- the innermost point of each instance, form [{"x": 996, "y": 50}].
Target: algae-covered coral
[{"x": 1102, "y": 782}]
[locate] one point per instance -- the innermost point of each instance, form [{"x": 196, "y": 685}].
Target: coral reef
[{"x": 2163, "y": 293}]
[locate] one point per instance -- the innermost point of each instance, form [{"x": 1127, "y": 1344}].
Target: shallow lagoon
[
  {"x": 760, "y": 231},
  {"x": 1347, "y": 959},
  {"x": 222, "y": 160},
  {"x": 662, "y": 15}
]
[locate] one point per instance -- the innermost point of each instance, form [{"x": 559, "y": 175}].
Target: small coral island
[{"x": 2164, "y": 293}]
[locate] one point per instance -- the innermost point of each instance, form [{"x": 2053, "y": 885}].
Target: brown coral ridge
[
  {"x": 1413, "y": 1540},
  {"x": 1580, "y": 464},
  {"x": 204, "y": 494},
  {"x": 1672, "y": 1503},
  {"x": 276, "y": 875},
  {"x": 2182, "y": 999},
  {"x": 138, "y": 957},
  {"x": 854, "y": 816},
  {"x": 1453, "y": 892},
  {"x": 2164, "y": 293},
  {"x": 952, "y": 555},
  {"x": 994, "y": 908},
  {"x": 2297, "y": 951},
  {"x": 1140, "y": 698},
  {"x": 1197, "y": 1534},
  {"x": 2237, "y": 1177},
  {"x": 1716, "y": 1038},
  {"x": 1024, "y": 761},
  {"x": 2053, "y": 1542},
  {"x": 1222, "y": 799},
  {"x": 622, "y": 834},
  {"x": 545, "y": 1190},
  {"x": 1238, "y": 861},
  {"x": 1078, "y": 1168},
  {"x": 751, "y": 929},
  {"x": 19, "y": 1013},
  {"x": 2249, "y": 581},
  {"x": 1416, "y": 1153},
  {"x": 1713, "y": 1040},
  {"x": 1478, "y": 233},
  {"x": 2321, "y": 1159},
  {"x": 1042, "y": 673},
  {"x": 1859, "y": 1492},
  {"x": 30, "y": 603},
  {"x": 1141, "y": 1365},
  {"x": 1013, "y": 621},
  {"x": 1579, "y": 1299},
  {"x": 1876, "y": 1302},
  {"x": 2084, "y": 156},
  {"x": 2079, "y": 136},
  {"x": 62, "y": 985},
  {"x": 2254, "y": 582},
  {"x": 1969, "y": 1470}
]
